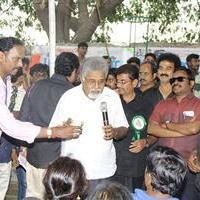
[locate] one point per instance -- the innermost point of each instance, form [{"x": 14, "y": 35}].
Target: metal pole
[
  {"x": 130, "y": 34},
  {"x": 147, "y": 38},
  {"x": 134, "y": 47},
  {"x": 52, "y": 36}
]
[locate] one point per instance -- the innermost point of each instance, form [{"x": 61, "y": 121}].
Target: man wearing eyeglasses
[
  {"x": 94, "y": 147},
  {"x": 173, "y": 119},
  {"x": 131, "y": 151}
]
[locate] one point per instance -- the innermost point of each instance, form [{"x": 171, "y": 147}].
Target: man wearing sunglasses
[{"x": 176, "y": 120}]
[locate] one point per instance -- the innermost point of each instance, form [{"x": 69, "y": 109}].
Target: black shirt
[
  {"x": 150, "y": 98},
  {"x": 130, "y": 164},
  {"x": 38, "y": 107}
]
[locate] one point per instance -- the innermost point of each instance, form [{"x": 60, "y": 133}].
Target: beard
[{"x": 94, "y": 94}]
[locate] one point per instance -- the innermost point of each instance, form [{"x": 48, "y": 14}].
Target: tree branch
[
  {"x": 83, "y": 11},
  {"x": 41, "y": 9},
  {"x": 74, "y": 24},
  {"x": 63, "y": 13},
  {"x": 107, "y": 7}
]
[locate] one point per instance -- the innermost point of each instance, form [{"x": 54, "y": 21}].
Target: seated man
[{"x": 164, "y": 175}]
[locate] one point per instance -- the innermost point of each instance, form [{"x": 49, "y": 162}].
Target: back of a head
[
  {"x": 66, "y": 63},
  {"x": 42, "y": 68},
  {"x": 129, "y": 69},
  {"x": 94, "y": 64},
  {"x": 133, "y": 60},
  {"x": 65, "y": 179},
  {"x": 167, "y": 169},
  {"x": 25, "y": 61},
  {"x": 170, "y": 57},
  {"x": 110, "y": 191},
  {"x": 7, "y": 43}
]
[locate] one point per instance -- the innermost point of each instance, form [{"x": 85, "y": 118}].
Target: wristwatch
[{"x": 49, "y": 133}]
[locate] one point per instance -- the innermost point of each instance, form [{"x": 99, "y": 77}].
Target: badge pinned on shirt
[
  {"x": 188, "y": 115},
  {"x": 138, "y": 124}
]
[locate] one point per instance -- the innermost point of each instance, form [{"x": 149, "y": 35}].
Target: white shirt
[
  {"x": 12, "y": 127},
  {"x": 95, "y": 153}
]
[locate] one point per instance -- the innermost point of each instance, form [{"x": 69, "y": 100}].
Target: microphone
[{"x": 103, "y": 107}]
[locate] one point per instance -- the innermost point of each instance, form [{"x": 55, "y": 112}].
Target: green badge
[{"x": 138, "y": 124}]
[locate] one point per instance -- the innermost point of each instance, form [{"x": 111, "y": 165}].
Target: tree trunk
[
  {"x": 41, "y": 8},
  {"x": 84, "y": 26}
]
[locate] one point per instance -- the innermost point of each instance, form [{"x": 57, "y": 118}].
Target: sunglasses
[{"x": 179, "y": 79}]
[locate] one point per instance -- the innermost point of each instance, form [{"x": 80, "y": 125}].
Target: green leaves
[{"x": 21, "y": 13}]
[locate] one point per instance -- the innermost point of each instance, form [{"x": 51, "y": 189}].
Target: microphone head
[{"x": 103, "y": 106}]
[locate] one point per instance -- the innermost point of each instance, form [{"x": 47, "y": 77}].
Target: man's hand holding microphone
[{"x": 110, "y": 132}]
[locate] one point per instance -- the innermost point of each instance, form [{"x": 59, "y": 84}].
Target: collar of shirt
[{"x": 186, "y": 98}]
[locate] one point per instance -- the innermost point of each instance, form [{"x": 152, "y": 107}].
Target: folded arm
[
  {"x": 157, "y": 130},
  {"x": 186, "y": 128}
]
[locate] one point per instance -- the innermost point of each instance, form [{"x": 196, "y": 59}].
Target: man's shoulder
[
  {"x": 111, "y": 93},
  {"x": 49, "y": 84},
  {"x": 73, "y": 92}
]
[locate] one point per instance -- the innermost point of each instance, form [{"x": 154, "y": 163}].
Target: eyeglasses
[
  {"x": 123, "y": 82},
  {"x": 179, "y": 79},
  {"x": 93, "y": 82}
]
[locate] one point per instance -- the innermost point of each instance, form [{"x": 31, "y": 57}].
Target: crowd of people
[{"x": 94, "y": 132}]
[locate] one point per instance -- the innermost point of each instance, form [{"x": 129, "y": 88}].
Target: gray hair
[{"x": 94, "y": 64}]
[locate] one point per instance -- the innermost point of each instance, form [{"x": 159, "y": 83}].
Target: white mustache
[{"x": 94, "y": 94}]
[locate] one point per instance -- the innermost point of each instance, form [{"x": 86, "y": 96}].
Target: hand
[
  {"x": 14, "y": 158},
  {"x": 67, "y": 132},
  {"x": 109, "y": 132},
  {"x": 164, "y": 125},
  {"x": 193, "y": 163},
  {"x": 137, "y": 146},
  {"x": 67, "y": 123}
]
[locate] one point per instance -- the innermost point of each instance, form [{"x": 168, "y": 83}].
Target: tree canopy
[{"x": 77, "y": 20}]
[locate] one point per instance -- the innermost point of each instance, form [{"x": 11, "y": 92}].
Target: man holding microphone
[{"x": 94, "y": 148}]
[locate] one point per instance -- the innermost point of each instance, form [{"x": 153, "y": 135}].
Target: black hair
[
  {"x": 106, "y": 57},
  {"x": 39, "y": 68},
  {"x": 150, "y": 54},
  {"x": 17, "y": 75},
  {"x": 7, "y": 43},
  {"x": 112, "y": 71},
  {"x": 110, "y": 190},
  {"x": 187, "y": 71},
  {"x": 65, "y": 179},
  {"x": 191, "y": 56},
  {"x": 129, "y": 69},
  {"x": 133, "y": 60},
  {"x": 82, "y": 44},
  {"x": 65, "y": 63},
  {"x": 170, "y": 57},
  {"x": 153, "y": 65},
  {"x": 25, "y": 61},
  {"x": 167, "y": 169}
]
